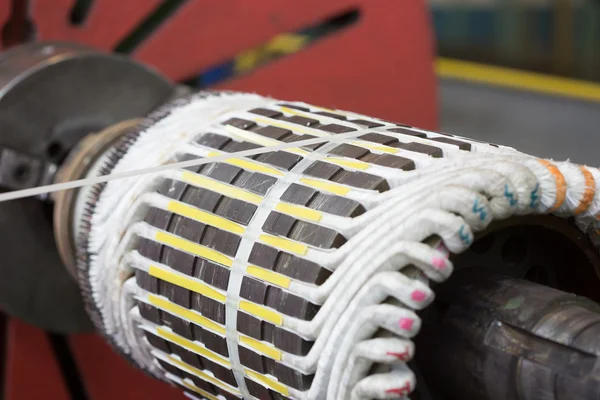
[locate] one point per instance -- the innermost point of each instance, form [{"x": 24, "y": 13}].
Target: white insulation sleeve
[{"x": 270, "y": 275}]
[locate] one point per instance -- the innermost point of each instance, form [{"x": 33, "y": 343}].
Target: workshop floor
[{"x": 543, "y": 125}]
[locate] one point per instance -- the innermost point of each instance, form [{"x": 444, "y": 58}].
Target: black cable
[{"x": 68, "y": 366}]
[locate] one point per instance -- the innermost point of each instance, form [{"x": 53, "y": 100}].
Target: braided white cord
[{"x": 352, "y": 334}]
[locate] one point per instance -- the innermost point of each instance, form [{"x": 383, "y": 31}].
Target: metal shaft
[{"x": 512, "y": 339}]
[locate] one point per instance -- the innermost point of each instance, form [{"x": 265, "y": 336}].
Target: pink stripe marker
[
  {"x": 406, "y": 323},
  {"x": 418, "y": 295},
  {"x": 439, "y": 263}
]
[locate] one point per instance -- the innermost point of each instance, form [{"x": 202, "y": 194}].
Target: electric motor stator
[
  {"x": 294, "y": 273},
  {"x": 293, "y": 251}
]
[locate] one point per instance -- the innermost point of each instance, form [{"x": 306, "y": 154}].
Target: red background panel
[
  {"x": 106, "y": 375},
  {"x": 381, "y": 66},
  {"x": 31, "y": 371},
  {"x": 108, "y": 21}
]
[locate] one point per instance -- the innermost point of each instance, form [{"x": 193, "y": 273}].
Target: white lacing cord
[
  {"x": 511, "y": 192},
  {"x": 387, "y": 385},
  {"x": 373, "y": 234}
]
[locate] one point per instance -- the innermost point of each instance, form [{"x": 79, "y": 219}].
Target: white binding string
[{"x": 57, "y": 187}]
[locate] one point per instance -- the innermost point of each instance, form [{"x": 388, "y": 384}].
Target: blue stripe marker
[
  {"x": 534, "y": 196},
  {"x": 464, "y": 236},
  {"x": 510, "y": 196},
  {"x": 477, "y": 209}
]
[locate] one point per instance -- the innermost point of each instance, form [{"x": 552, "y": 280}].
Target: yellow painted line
[
  {"x": 205, "y": 217},
  {"x": 276, "y": 386},
  {"x": 221, "y": 188},
  {"x": 299, "y": 211},
  {"x": 269, "y": 276},
  {"x": 249, "y": 165},
  {"x": 377, "y": 147},
  {"x": 516, "y": 79},
  {"x": 195, "y": 371},
  {"x": 261, "y": 312},
  {"x": 292, "y": 127},
  {"x": 261, "y": 347},
  {"x": 185, "y": 313},
  {"x": 201, "y": 392},
  {"x": 193, "y": 248},
  {"x": 188, "y": 283},
  {"x": 261, "y": 140},
  {"x": 287, "y": 43},
  {"x": 191, "y": 346},
  {"x": 326, "y": 186},
  {"x": 247, "y": 60},
  {"x": 284, "y": 244},
  {"x": 348, "y": 163}
]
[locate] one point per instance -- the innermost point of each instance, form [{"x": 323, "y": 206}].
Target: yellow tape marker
[
  {"x": 327, "y": 109},
  {"x": 185, "y": 313},
  {"x": 221, "y": 188},
  {"x": 193, "y": 347},
  {"x": 326, "y": 186},
  {"x": 205, "y": 217},
  {"x": 201, "y": 392},
  {"x": 299, "y": 211},
  {"x": 267, "y": 350},
  {"x": 381, "y": 148},
  {"x": 292, "y": 127},
  {"x": 269, "y": 276},
  {"x": 259, "y": 139},
  {"x": 249, "y": 165},
  {"x": 296, "y": 112},
  {"x": 261, "y": 312},
  {"x": 348, "y": 163},
  {"x": 195, "y": 371},
  {"x": 188, "y": 283},
  {"x": 276, "y": 386},
  {"x": 193, "y": 248},
  {"x": 522, "y": 80},
  {"x": 284, "y": 244}
]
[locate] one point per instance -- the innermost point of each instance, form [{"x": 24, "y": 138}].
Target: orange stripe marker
[
  {"x": 590, "y": 191},
  {"x": 561, "y": 185}
]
